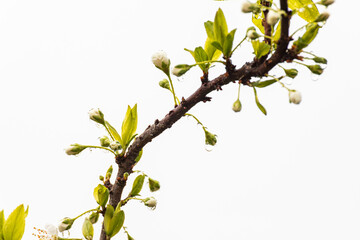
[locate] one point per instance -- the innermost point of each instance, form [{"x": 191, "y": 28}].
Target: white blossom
[
  {"x": 295, "y": 97},
  {"x": 97, "y": 116}
]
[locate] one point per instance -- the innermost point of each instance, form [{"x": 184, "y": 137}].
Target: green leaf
[
  {"x": 258, "y": 22},
  {"x": 113, "y": 132},
  {"x": 14, "y": 226},
  {"x": 2, "y": 221},
  {"x": 137, "y": 185},
  {"x": 260, "y": 48},
  {"x": 209, "y": 27},
  {"x": 201, "y": 56},
  {"x": 211, "y": 51},
  {"x": 264, "y": 83},
  {"x": 109, "y": 213},
  {"x": 277, "y": 32},
  {"x": 101, "y": 195},
  {"x": 228, "y": 43},
  {"x": 117, "y": 221},
  {"x": 129, "y": 125},
  {"x": 220, "y": 27},
  {"x": 217, "y": 45},
  {"x": 87, "y": 229},
  {"x": 137, "y": 159},
  {"x": 261, "y": 107},
  {"x": 312, "y": 30},
  {"x": 309, "y": 14}
]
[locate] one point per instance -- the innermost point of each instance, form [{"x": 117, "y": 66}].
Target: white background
[{"x": 293, "y": 174}]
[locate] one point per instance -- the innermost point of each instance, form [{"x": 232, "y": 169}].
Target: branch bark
[{"x": 243, "y": 75}]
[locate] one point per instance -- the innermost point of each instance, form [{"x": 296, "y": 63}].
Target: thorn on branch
[{"x": 206, "y": 99}]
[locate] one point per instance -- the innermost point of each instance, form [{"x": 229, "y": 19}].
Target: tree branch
[{"x": 243, "y": 75}]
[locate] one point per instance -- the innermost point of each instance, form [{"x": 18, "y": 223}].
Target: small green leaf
[
  {"x": 201, "y": 56},
  {"x": 137, "y": 185},
  {"x": 220, "y": 27},
  {"x": 258, "y": 22},
  {"x": 137, "y": 159},
  {"x": 101, "y": 195},
  {"x": 264, "y": 83},
  {"x": 312, "y": 30},
  {"x": 2, "y": 221},
  {"x": 14, "y": 225},
  {"x": 109, "y": 213},
  {"x": 154, "y": 185},
  {"x": 117, "y": 221},
  {"x": 113, "y": 132},
  {"x": 260, "y": 48},
  {"x": 309, "y": 14},
  {"x": 261, "y": 107},
  {"x": 129, "y": 125},
  {"x": 228, "y": 43},
  {"x": 209, "y": 27},
  {"x": 88, "y": 229}
]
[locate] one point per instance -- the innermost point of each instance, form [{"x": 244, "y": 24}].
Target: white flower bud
[
  {"x": 294, "y": 97},
  {"x": 65, "y": 224},
  {"x": 272, "y": 17},
  {"x": 115, "y": 145},
  {"x": 180, "y": 69},
  {"x": 248, "y": 7},
  {"x": 236, "y": 106},
  {"x": 252, "y": 34},
  {"x": 151, "y": 203},
  {"x": 161, "y": 61},
  {"x": 74, "y": 149},
  {"x": 97, "y": 116}
]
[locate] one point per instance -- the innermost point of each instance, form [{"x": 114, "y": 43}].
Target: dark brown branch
[{"x": 243, "y": 75}]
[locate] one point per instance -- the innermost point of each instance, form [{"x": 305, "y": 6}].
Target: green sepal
[
  {"x": 309, "y": 14},
  {"x": 14, "y": 226},
  {"x": 260, "y": 48},
  {"x": 227, "y": 47},
  {"x": 261, "y": 107},
  {"x": 129, "y": 125},
  {"x": 101, "y": 195},
  {"x": 113, "y": 132},
  {"x": 154, "y": 185},
  {"x": 137, "y": 185}
]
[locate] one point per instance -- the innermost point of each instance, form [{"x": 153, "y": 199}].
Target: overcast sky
[{"x": 293, "y": 174}]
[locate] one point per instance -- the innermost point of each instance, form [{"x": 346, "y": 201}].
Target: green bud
[
  {"x": 154, "y": 185},
  {"x": 292, "y": 73},
  {"x": 109, "y": 172},
  {"x": 237, "y": 106},
  {"x": 320, "y": 60},
  {"x": 75, "y": 149},
  {"x": 88, "y": 229},
  {"x": 316, "y": 69},
  {"x": 165, "y": 84},
  {"x": 101, "y": 195},
  {"x": 210, "y": 139},
  {"x": 248, "y": 7},
  {"x": 326, "y": 2},
  {"x": 97, "y": 116},
  {"x": 65, "y": 224},
  {"x": 126, "y": 175},
  {"x": 322, "y": 17},
  {"x": 180, "y": 69},
  {"x": 104, "y": 141},
  {"x": 101, "y": 178},
  {"x": 94, "y": 216}
]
